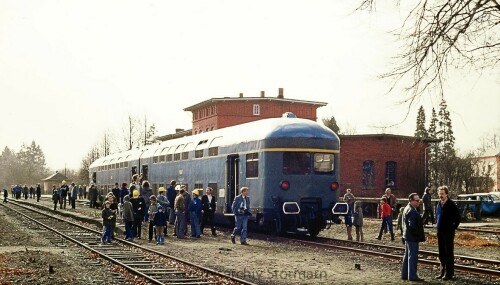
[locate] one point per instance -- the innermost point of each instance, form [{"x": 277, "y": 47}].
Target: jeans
[
  {"x": 241, "y": 227},
  {"x": 171, "y": 216},
  {"x": 195, "y": 225},
  {"x": 106, "y": 237},
  {"x": 180, "y": 224},
  {"x": 410, "y": 259},
  {"x": 128, "y": 230}
]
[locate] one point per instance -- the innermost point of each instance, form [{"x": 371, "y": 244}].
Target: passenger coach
[{"x": 291, "y": 166}]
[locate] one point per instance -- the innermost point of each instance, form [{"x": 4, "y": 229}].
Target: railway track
[
  {"x": 153, "y": 266},
  {"x": 468, "y": 264}
]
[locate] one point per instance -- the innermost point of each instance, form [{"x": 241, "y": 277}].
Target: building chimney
[
  {"x": 280, "y": 93},
  {"x": 241, "y": 95},
  {"x": 262, "y": 94}
]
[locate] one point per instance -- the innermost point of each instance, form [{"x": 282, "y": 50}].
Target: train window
[
  {"x": 213, "y": 151},
  {"x": 368, "y": 174},
  {"x": 125, "y": 164},
  {"x": 155, "y": 159},
  {"x": 169, "y": 157},
  {"x": 296, "y": 163},
  {"x": 187, "y": 148},
  {"x": 323, "y": 163},
  {"x": 252, "y": 165},
  {"x": 390, "y": 174},
  {"x": 177, "y": 152},
  {"x": 198, "y": 152},
  {"x": 199, "y": 186}
]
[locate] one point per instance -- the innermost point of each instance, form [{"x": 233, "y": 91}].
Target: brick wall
[
  {"x": 232, "y": 113},
  {"x": 405, "y": 151}
]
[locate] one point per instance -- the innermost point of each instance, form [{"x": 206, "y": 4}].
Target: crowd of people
[{"x": 411, "y": 225}]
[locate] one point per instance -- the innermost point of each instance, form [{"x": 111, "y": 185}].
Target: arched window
[
  {"x": 390, "y": 174},
  {"x": 368, "y": 174}
]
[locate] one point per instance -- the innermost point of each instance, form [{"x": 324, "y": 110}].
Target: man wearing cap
[
  {"x": 195, "y": 214},
  {"x": 163, "y": 202}
]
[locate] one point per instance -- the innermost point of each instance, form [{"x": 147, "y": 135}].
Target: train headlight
[
  {"x": 334, "y": 186},
  {"x": 285, "y": 185}
]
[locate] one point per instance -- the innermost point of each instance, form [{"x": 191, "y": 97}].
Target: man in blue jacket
[
  {"x": 241, "y": 211},
  {"x": 413, "y": 233}
]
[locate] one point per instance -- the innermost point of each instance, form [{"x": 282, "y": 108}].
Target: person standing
[
  {"x": 107, "y": 222},
  {"x": 63, "y": 191},
  {"x": 180, "y": 222},
  {"x": 391, "y": 200},
  {"x": 93, "y": 195},
  {"x": 116, "y": 192},
  {"x": 413, "y": 233},
  {"x": 38, "y": 192},
  {"x": 5, "y": 195},
  {"x": 139, "y": 208},
  {"x": 349, "y": 199},
  {"x": 208, "y": 210},
  {"x": 427, "y": 207},
  {"x": 386, "y": 216},
  {"x": 447, "y": 221},
  {"x": 55, "y": 196},
  {"x": 241, "y": 211},
  {"x": 73, "y": 195},
  {"x": 25, "y": 192},
  {"x": 152, "y": 209},
  {"x": 128, "y": 218},
  {"x": 163, "y": 202},
  {"x": 195, "y": 214},
  {"x": 171, "y": 199},
  {"x": 358, "y": 220},
  {"x": 160, "y": 222}
]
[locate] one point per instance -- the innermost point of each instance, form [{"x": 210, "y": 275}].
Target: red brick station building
[{"x": 369, "y": 163}]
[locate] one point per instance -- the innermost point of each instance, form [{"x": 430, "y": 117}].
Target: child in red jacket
[{"x": 386, "y": 216}]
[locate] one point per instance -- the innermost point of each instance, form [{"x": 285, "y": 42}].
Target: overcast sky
[{"x": 69, "y": 70}]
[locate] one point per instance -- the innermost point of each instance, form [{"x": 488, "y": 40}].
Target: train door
[
  {"x": 94, "y": 177},
  {"x": 144, "y": 172},
  {"x": 134, "y": 170},
  {"x": 232, "y": 180}
]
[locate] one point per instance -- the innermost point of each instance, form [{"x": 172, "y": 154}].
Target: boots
[
  {"x": 392, "y": 236},
  {"x": 213, "y": 232},
  {"x": 380, "y": 235},
  {"x": 349, "y": 233}
]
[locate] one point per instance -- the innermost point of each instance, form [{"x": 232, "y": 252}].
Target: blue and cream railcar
[{"x": 290, "y": 165}]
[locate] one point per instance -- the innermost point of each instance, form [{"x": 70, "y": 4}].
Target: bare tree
[
  {"x": 132, "y": 133},
  {"x": 441, "y": 34}
]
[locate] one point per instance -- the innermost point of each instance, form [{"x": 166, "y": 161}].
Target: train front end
[{"x": 301, "y": 178}]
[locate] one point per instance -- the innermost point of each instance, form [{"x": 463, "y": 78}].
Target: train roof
[{"x": 272, "y": 128}]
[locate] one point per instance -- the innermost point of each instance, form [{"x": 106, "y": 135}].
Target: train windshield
[
  {"x": 323, "y": 163},
  {"x": 296, "y": 163}
]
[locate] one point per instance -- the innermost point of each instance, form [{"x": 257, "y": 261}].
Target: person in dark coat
[
  {"x": 160, "y": 222},
  {"x": 5, "y": 195},
  {"x": 171, "y": 194},
  {"x": 128, "y": 218},
  {"x": 38, "y": 192},
  {"x": 447, "y": 221},
  {"x": 93, "y": 195},
  {"x": 208, "y": 207},
  {"x": 55, "y": 196},
  {"x": 427, "y": 207},
  {"x": 107, "y": 222},
  {"x": 139, "y": 208},
  {"x": 413, "y": 233}
]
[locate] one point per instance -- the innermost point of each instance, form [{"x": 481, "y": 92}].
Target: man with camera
[{"x": 241, "y": 211}]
